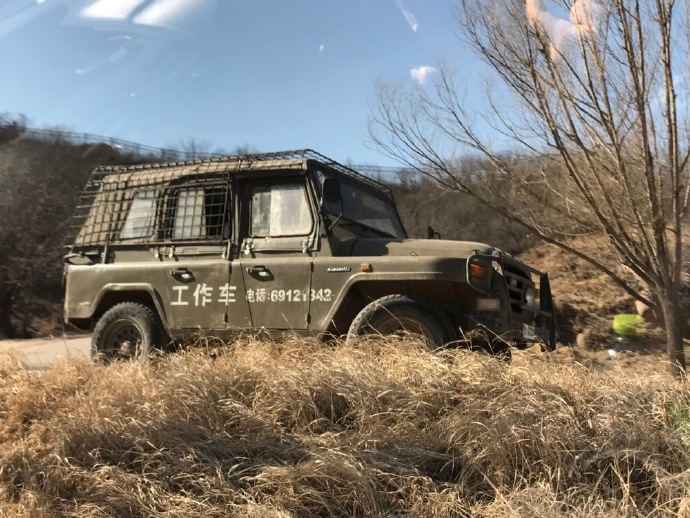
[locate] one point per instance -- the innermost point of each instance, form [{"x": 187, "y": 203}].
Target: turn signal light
[
  {"x": 366, "y": 267},
  {"x": 477, "y": 270}
]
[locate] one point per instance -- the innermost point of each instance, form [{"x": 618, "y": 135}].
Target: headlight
[{"x": 486, "y": 304}]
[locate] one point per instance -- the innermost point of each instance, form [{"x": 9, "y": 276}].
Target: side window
[
  {"x": 280, "y": 210},
  {"x": 198, "y": 213},
  {"x": 141, "y": 216}
]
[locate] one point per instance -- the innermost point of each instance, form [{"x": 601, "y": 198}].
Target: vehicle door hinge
[
  {"x": 163, "y": 251},
  {"x": 307, "y": 243},
  {"x": 308, "y": 315}
]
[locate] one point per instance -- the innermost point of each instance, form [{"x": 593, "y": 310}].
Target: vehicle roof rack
[
  {"x": 245, "y": 162},
  {"x": 103, "y": 202}
]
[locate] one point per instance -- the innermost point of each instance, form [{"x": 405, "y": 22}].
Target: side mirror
[{"x": 331, "y": 191}]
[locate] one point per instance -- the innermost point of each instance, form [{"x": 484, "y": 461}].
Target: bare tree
[
  {"x": 193, "y": 149},
  {"x": 41, "y": 177},
  {"x": 598, "y": 134}
]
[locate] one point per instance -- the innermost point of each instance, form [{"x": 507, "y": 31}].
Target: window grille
[{"x": 199, "y": 213}]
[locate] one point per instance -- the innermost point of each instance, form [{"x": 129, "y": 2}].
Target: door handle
[
  {"x": 184, "y": 274},
  {"x": 261, "y": 271}
]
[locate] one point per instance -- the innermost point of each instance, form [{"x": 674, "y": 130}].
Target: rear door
[
  {"x": 206, "y": 292},
  {"x": 276, "y": 251}
]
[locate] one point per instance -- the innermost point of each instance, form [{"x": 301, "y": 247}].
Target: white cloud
[
  {"x": 421, "y": 74},
  {"x": 586, "y": 15},
  {"x": 409, "y": 15},
  {"x": 584, "y": 18}
]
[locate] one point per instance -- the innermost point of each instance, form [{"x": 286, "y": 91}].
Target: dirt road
[{"x": 42, "y": 353}]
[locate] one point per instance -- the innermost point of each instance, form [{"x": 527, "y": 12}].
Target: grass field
[{"x": 375, "y": 428}]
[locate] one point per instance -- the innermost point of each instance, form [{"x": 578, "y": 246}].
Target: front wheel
[
  {"x": 127, "y": 331},
  {"x": 401, "y": 314}
]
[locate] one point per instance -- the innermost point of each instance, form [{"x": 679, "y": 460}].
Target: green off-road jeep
[{"x": 280, "y": 243}]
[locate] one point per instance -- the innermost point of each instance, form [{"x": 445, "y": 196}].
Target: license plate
[{"x": 529, "y": 332}]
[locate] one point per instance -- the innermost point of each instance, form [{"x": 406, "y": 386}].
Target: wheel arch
[
  {"x": 357, "y": 295},
  {"x": 396, "y": 310},
  {"x": 144, "y": 294}
]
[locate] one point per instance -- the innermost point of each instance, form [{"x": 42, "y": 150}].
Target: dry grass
[{"x": 373, "y": 428}]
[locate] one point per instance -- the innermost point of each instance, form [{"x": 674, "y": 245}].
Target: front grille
[{"x": 516, "y": 283}]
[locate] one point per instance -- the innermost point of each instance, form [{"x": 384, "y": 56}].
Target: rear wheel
[
  {"x": 401, "y": 314},
  {"x": 127, "y": 331}
]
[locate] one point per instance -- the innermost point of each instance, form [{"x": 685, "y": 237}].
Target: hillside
[
  {"x": 587, "y": 300},
  {"x": 42, "y": 173}
]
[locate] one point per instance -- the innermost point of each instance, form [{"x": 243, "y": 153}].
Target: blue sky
[{"x": 271, "y": 74}]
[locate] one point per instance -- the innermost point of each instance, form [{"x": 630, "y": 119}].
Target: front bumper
[{"x": 512, "y": 280}]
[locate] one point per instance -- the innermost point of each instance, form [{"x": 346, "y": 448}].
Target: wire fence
[
  {"x": 385, "y": 174},
  {"x": 123, "y": 146}
]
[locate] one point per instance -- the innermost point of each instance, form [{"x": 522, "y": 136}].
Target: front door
[{"x": 276, "y": 252}]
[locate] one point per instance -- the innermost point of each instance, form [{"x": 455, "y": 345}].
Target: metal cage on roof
[{"x": 121, "y": 203}]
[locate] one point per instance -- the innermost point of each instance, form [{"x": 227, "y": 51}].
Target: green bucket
[{"x": 627, "y": 325}]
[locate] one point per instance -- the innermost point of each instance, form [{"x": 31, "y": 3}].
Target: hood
[{"x": 418, "y": 247}]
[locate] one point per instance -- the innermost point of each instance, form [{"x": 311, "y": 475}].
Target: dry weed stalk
[{"x": 372, "y": 428}]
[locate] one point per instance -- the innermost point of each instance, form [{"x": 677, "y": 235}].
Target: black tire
[
  {"x": 395, "y": 314},
  {"x": 127, "y": 331},
  {"x": 501, "y": 350},
  {"x": 483, "y": 340},
  {"x": 521, "y": 345}
]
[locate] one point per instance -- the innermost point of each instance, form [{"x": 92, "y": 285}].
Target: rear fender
[{"x": 111, "y": 294}]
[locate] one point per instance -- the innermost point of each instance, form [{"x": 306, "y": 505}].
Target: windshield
[{"x": 365, "y": 212}]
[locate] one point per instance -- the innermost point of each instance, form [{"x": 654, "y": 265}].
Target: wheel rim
[{"x": 123, "y": 339}]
